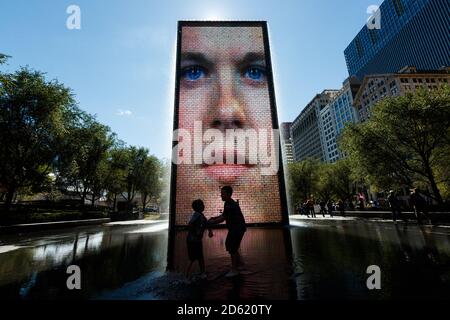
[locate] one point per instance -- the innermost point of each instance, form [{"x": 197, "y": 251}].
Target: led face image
[{"x": 226, "y": 125}]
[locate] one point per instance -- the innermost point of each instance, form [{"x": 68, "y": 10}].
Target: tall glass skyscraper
[{"x": 413, "y": 33}]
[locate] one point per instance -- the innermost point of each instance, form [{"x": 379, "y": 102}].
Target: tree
[
  {"x": 3, "y": 58},
  {"x": 83, "y": 163},
  {"x": 116, "y": 172},
  {"x": 342, "y": 179},
  {"x": 406, "y": 140},
  {"x": 132, "y": 170},
  {"x": 333, "y": 180},
  {"x": 32, "y": 113},
  {"x": 302, "y": 179},
  {"x": 135, "y": 159},
  {"x": 325, "y": 181},
  {"x": 149, "y": 184}
]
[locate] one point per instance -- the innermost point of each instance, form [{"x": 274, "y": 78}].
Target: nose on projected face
[{"x": 225, "y": 132}]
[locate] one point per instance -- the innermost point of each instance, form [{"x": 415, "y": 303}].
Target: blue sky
[{"x": 120, "y": 64}]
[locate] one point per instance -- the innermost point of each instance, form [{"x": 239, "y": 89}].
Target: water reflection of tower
[{"x": 267, "y": 274}]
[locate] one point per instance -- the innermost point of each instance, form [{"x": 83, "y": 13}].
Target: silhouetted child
[
  {"x": 197, "y": 225},
  {"x": 236, "y": 226}
]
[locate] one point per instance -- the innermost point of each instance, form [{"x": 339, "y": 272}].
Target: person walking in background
[
  {"x": 323, "y": 209},
  {"x": 305, "y": 209},
  {"x": 419, "y": 205},
  {"x": 394, "y": 204},
  {"x": 298, "y": 208},
  {"x": 310, "y": 205},
  {"x": 341, "y": 208},
  {"x": 330, "y": 207}
]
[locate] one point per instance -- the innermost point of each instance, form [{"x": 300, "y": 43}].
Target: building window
[
  {"x": 359, "y": 47},
  {"x": 398, "y": 5},
  {"x": 373, "y": 35}
]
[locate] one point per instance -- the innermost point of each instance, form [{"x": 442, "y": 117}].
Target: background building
[
  {"x": 305, "y": 129},
  {"x": 286, "y": 142},
  {"x": 376, "y": 87},
  {"x": 413, "y": 32},
  {"x": 334, "y": 116}
]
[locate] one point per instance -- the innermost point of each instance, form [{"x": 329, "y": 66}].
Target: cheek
[
  {"x": 193, "y": 107},
  {"x": 257, "y": 105}
]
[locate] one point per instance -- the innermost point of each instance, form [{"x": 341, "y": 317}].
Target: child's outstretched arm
[
  {"x": 210, "y": 232},
  {"x": 216, "y": 220}
]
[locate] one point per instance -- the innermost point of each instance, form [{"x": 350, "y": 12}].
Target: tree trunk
[
  {"x": 433, "y": 184},
  {"x": 83, "y": 196},
  {"x": 115, "y": 202},
  {"x": 144, "y": 201},
  {"x": 93, "y": 200},
  {"x": 9, "y": 198},
  {"x": 435, "y": 189},
  {"x": 129, "y": 192}
]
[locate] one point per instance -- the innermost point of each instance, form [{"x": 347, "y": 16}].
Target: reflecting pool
[{"x": 311, "y": 259}]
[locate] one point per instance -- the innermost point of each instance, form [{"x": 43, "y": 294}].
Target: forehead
[{"x": 231, "y": 40}]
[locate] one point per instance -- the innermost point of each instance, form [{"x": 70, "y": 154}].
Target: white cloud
[{"x": 123, "y": 113}]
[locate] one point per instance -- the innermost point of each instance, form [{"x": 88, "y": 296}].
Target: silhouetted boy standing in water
[
  {"x": 235, "y": 222},
  {"x": 197, "y": 225}
]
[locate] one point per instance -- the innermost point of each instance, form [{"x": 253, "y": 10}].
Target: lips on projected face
[
  {"x": 226, "y": 173},
  {"x": 234, "y": 165}
]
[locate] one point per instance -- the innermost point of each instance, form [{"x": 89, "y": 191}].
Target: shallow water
[{"x": 311, "y": 259}]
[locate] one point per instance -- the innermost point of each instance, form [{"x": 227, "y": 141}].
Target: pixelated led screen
[{"x": 226, "y": 127}]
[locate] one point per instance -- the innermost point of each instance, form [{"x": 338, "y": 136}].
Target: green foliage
[
  {"x": 83, "y": 160},
  {"x": 31, "y": 128},
  {"x": 405, "y": 142},
  {"x": 341, "y": 179},
  {"x": 149, "y": 183},
  {"x": 132, "y": 170},
  {"x": 302, "y": 179},
  {"x": 321, "y": 181},
  {"x": 47, "y": 144},
  {"x": 324, "y": 182},
  {"x": 3, "y": 58}
]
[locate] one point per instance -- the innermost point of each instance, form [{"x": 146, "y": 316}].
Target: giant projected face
[{"x": 225, "y": 122}]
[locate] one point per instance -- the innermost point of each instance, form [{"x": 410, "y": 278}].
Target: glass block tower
[{"x": 413, "y": 33}]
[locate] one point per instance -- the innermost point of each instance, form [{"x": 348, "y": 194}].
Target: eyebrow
[
  {"x": 254, "y": 56},
  {"x": 196, "y": 57},
  {"x": 199, "y": 57}
]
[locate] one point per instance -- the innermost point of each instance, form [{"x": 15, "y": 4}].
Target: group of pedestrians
[
  {"x": 416, "y": 202},
  {"x": 328, "y": 207}
]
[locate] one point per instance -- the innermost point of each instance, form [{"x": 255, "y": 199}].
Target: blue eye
[
  {"x": 255, "y": 73},
  {"x": 193, "y": 73}
]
